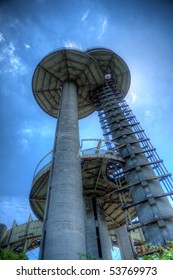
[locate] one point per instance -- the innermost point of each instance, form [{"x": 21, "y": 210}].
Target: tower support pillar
[
  {"x": 64, "y": 235},
  {"x": 90, "y": 229},
  {"x": 124, "y": 243},
  {"x": 157, "y": 213},
  {"x": 98, "y": 243}
]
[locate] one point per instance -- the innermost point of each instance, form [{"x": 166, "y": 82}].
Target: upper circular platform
[
  {"x": 87, "y": 70},
  {"x": 113, "y": 64},
  {"x": 61, "y": 66}
]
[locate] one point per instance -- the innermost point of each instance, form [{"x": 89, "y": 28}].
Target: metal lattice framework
[{"x": 108, "y": 117}]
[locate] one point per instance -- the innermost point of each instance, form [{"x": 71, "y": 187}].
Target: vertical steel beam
[{"x": 64, "y": 234}]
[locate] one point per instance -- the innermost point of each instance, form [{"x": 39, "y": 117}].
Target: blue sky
[{"x": 139, "y": 31}]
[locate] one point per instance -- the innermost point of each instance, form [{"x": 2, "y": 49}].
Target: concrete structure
[
  {"x": 152, "y": 207},
  {"x": 73, "y": 74},
  {"x": 22, "y": 238},
  {"x": 3, "y": 230},
  {"x": 85, "y": 196},
  {"x": 103, "y": 210},
  {"x": 124, "y": 243},
  {"x": 70, "y": 84},
  {"x": 26, "y": 237}
]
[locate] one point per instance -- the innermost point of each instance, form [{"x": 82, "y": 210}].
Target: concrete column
[
  {"x": 90, "y": 229},
  {"x": 3, "y": 231},
  {"x": 124, "y": 243},
  {"x": 98, "y": 243},
  {"x": 64, "y": 235},
  {"x": 139, "y": 173},
  {"x": 104, "y": 235}
]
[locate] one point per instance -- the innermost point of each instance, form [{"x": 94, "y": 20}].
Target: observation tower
[{"x": 85, "y": 196}]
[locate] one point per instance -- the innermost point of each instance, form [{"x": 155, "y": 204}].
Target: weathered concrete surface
[
  {"x": 124, "y": 243},
  {"x": 139, "y": 175},
  {"x": 22, "y": 237},
  {"x": 104, "y": 237},
  {"x": 98, "y": 243},
  {"x": 64, "y": 233},
  {"x": 3, "y": 230},
  {"x": 90, "y": 229}
]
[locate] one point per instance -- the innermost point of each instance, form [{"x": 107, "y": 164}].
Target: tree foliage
[
  {"x": 10, "y": 255},
  {"x": 86, "y": 256},
  {"x": 161, "y": 254}
]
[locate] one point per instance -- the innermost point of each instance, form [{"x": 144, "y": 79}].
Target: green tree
[
  {"x": 10, "y": 255},
  {"x": 161, "y": 254},
  {"x": 86, "y": 256}
]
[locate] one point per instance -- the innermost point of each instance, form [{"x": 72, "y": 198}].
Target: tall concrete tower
[{"x": 90, "y": 195}]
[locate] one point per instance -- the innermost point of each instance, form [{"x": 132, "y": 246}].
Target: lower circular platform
[{"x": 97, "y": 182}]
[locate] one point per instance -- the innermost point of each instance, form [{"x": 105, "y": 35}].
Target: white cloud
[
  {"x": 12, "y": 207},
  {"x": 133, "y": 95},
  {"x": 147, "y": 113},
  {"x": 72, "y": 44},
  {"x": 24, "y": 144},
  {"x": 26, "y": 135},
  {"x": 1, "y": 58},
  {"x": 1, "y": 37},
  {"x": 30, "y": 130},
  {"x": 27, "y": 46},
  {"x": 46, "y": 131},
  {"x": 103, "y": 25},
  {"x": 15, "y": 62},
  {"x": 85, "y": 15},
  {"x": 149, "y": 116},
  {"x": 27, "y": 131},
  {"x": 11, "y": 48},
  {"x": 11, "y": 59}
]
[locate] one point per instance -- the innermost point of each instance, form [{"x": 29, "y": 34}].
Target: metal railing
[
  {"x": 40, "y": 168},
  {"x": 100, "y": 147},
  {"x": 87, "y": 147}
]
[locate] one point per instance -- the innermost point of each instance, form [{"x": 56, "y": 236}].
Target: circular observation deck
[
  {"x": 59, "y": 67},
  {"x": 98, "y": 165},
  {"x": 112, "y": 64}
]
